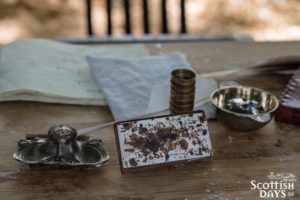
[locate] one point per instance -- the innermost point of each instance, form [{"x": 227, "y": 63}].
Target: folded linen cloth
[{"x": 127, "y": 83}]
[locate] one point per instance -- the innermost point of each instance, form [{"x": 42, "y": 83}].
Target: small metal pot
[
  {"x": 244, "y": 109},
  {"x": 62, "y": 147}
]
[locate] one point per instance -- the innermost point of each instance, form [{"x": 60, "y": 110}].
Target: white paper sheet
[{"x": 49, "y": 71}]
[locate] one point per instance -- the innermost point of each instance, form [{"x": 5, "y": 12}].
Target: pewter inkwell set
[{"x": 238, "y": 108}]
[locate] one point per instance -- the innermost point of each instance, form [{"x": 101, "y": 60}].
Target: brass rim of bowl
[{"x": 242, "y": 114}]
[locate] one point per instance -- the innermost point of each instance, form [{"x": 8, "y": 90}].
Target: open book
[{"x": 49, "y": 71}]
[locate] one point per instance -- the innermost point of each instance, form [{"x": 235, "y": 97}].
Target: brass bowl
[{"x": 244, "y": 109}]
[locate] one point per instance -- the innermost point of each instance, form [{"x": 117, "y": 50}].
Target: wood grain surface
[{"x": 238, "y": 157}]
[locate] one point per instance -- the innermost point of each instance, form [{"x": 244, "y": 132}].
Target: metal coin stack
[{"x": 182, "y": 90}]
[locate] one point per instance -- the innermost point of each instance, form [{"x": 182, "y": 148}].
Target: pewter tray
[{"x": 61, "y": 147}]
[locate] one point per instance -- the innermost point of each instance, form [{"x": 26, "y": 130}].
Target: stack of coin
[{"x": 182, "y": 90}]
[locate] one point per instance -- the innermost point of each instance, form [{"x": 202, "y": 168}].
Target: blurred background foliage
[{"x": 262, "y": 19}]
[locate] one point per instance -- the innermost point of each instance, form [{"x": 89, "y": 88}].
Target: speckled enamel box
[{"x": 163, "y": 140}]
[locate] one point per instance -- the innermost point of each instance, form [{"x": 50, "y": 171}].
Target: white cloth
[{"x": 127, "y": 83}]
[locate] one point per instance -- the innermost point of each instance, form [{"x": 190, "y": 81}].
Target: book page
[{"x": 38, "y": 66}]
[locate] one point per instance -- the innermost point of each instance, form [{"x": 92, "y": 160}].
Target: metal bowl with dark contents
[{"x": 242, "y": 108}]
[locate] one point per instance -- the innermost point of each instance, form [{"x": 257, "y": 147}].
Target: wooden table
[{"x": 238, "y": 157}]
